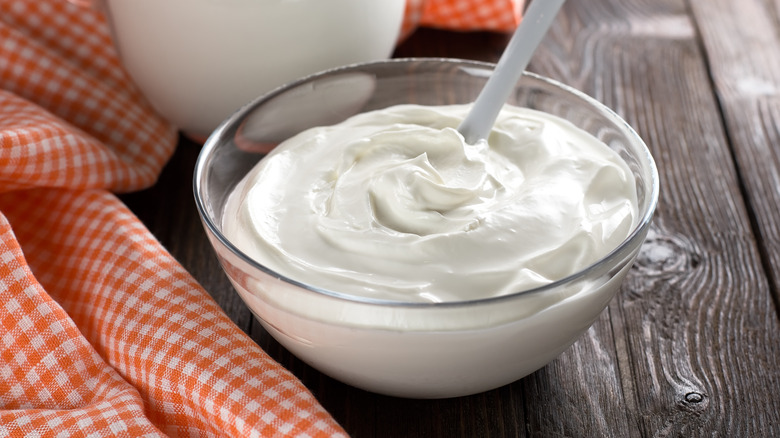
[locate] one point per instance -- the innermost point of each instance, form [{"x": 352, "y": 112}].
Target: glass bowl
[{"x": 408, "y": 349}]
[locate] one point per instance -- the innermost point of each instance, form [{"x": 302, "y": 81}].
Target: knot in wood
[
  {"x": 694, "y": 397},
  {"x": 667, "y": 254}
]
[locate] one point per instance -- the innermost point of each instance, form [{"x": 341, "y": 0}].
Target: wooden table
[{"x": 691, "y": 345}]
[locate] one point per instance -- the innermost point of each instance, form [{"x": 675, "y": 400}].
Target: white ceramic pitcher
[{"x": 198, "y": 61}]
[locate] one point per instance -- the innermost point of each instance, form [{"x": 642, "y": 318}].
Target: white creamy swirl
[{"x": 393, "y": 204}]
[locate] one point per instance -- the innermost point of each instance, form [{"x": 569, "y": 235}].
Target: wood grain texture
[
  {"x": 747, "y": 83},
  {"x": 691, "y": 345},
  {"x": 698, "y": 304}
]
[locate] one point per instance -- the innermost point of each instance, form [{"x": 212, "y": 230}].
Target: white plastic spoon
[{"x": 537, "y": 19}]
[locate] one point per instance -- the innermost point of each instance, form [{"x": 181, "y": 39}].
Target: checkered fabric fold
[
  {"x": 102, "y": 332},
  {"x": 463, "y": 15}
]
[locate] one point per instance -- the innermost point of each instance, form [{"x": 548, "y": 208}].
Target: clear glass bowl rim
[{"x": 217, "y": 137}]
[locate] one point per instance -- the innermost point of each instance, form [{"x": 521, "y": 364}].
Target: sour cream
[{"x": 394, "y": 205}]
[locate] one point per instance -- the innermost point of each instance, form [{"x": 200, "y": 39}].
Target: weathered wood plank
[
  {"x": 747, "y": 82},
  {"x": 748, "y": 86},
  {"x": 697, "y": 306}
]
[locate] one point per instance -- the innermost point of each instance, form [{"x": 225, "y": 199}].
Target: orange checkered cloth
[
  {"x": 102, "y": 332},
  {"x": 463, "y": 15}
]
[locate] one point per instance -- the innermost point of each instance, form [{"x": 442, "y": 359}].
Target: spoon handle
[{"x": 537, "y": 19}]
